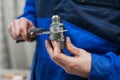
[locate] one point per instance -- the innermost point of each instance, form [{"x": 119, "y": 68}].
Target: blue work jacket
[{"x": 93, "y": 25}]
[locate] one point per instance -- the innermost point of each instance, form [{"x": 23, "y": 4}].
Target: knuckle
[
  {"x": 23, "y": 21},
  {"x": 81, "y": 51},
  {"x": 9, "y": 28},
  {"x": 56, "y": 57},
  {"x": 16, "y": 35},
  {"x": 22, "y": 29},
  {"x": 68, "y": 70},
  {"x": 70, "y": 67},
  {"x": 23, "y": 18},
  {"x": 15, "y": 23},
  {"x": 16, "y": 20},
  {"x": 69, "y": 47},
  {"x": 11, "y": 24}
]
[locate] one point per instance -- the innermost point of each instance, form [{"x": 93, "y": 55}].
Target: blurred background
[{"x": 13, "y": 55}]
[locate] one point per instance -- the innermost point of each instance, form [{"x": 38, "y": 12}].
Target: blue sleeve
[
  {"x": 105, "y": 67},
  {"x": 29, "y": 11}
]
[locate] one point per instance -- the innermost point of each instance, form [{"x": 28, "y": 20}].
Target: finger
[
  {"x": 49, "y": 48},
  {"x": 17, "y": 29},
  {"x": 62, "y": 60},
  {"x": 23, "y": 32},
  {"x": 56, "y": 47},
  {"x": 28, "y": 28},
  {"x": 12, "y": 31},
  {"x": 74, "y": 50},
  {"x": 11, "y": 34},
  {"x": 51, "y": 53},
  {"x": 30, "y": 24},
  {"x": 23, "y": 29}
]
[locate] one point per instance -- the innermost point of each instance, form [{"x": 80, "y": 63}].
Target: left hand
[{"x": 79, "y": 65}]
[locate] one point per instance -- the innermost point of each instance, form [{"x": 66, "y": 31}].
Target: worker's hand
[
  {"x": 19, "y": 29},
  {"x": 79, "y": 65}
]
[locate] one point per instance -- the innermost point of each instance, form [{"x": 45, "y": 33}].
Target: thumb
[
  {"x": 73, "y": 50},
  {"x": 29, "y": 28}
]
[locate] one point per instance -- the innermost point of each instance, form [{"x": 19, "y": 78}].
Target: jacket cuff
[{"x": 100, "y": 68}]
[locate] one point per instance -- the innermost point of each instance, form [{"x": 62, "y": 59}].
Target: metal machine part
[{"x": 56, "y": 31}]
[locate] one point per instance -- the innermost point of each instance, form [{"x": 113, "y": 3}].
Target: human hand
[
  {"x": 19, "y": 28},
  {"x": 79, "y": 65}
]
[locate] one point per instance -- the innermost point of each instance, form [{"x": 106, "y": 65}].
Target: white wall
[
  {"x": 19, "y": 55},
  {"x": 3, "y": 55}
]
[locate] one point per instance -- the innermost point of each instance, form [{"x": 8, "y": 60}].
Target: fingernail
[{"x": 68, "y": 38}]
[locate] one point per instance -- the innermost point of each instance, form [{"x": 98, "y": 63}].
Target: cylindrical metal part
[
  {"x": 56, "y": 31},
  {"x": 55, "y": 19}
]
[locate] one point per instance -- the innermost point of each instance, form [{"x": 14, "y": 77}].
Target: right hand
[{"x": 19, "y": 28}]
